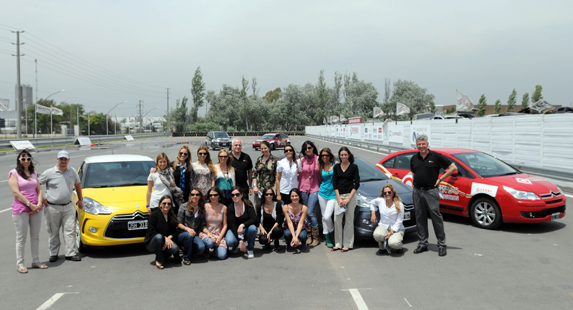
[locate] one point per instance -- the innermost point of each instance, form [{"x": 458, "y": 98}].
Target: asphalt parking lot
[{"x": 518, "y": 266}]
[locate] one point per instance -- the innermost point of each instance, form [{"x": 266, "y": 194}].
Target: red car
[
  {"x": 486, "y": 189},
  {"x": 275, "y": 139}
]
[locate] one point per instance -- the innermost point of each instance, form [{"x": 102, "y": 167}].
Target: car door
[{"x": 455, "y": 190}]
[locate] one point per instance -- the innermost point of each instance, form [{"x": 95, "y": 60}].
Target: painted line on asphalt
[
  {"x": 570, "y": 196},
  {"x": 4, "y": 181},
  {"x": 5, "y": 210},
  {"x": 52, "y": 300},
  {"x": 358, "y": 299},
  {"x": 408, "y": 302}
]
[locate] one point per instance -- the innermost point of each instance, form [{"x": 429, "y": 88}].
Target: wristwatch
[
  {"x": 81, "y": 198},
  {"x": 28, "y": 204}
]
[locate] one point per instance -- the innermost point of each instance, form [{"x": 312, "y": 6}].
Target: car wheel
[
  {"x": 485, "y": 213},
  {"x": 81, "y": 246},
  {"x": 272, "y": 146}
]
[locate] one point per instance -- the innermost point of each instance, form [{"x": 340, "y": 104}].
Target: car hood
[
  {"x": 525, "y": 182},
  {"x": 372, "y": 190},
  {"x": 118, "y": 196}
]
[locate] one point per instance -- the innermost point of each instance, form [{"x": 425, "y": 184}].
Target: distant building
[
  {"x": 27, "y": 95},
  {"x": 4, "y": 104}
]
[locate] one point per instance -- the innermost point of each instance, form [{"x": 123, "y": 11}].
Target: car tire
[
  {"x": 485, "y": 213},
  {"x": 81, "y": 246}
]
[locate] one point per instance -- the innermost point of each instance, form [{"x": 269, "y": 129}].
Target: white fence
[{"x": 534, "y": 141}]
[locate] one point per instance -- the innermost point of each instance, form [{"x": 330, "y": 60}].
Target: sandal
[
  {"x": 159, "y": 266},
  {"x": 334, "y": 249},
  {"x": 39, "y": 266},
  {"x": 344, "y": 250},
  {"x": 22, "y": 269},
  {"x": 186, "y": 262}
]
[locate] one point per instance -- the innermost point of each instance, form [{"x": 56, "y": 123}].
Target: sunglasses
[
  {"x": 213, "y": 195},
  {"x": 325, "y": 155},
  {"x": 194, "y": 195},
  {"x": 223, "y": 156},
  {"x": 387, "y": 193},
  {"x": 309, "y": 148},
  {"x": 269, "y": 194},
  {"x": 235, "y": 195},
  {"x": 25, "y": 158},
  {"x": 288, "y": 151},
  {"x": 166, "y": 203},
  {"x": 202, "y": 154},
  {"x": 183, "y": 154}
]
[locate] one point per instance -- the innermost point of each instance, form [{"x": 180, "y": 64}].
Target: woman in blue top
[{"x": 326, "y": 194}]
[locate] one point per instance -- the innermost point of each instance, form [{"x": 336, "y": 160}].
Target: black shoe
[
  {"x": 176, "y": 258},
  {"x": 75, "y": 258},
  {"x": 381, "y": 252},
  {"x": 442, "y": 251},
  {"x": 420, "y": 249},
  {"x": 400, "y": 251},
  {"x": 53, "y": 258}
]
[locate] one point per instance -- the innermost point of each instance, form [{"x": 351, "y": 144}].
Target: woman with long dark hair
[
  {"x": 161, "y": 231},
  {"x": 216, "y": 214},
  {"x": 345, "y": 181},
  {"x": 191, "y": 218},
  {"x": 309, "y": 184},
  {"x": 264, "y": 172},
  {"x": 225, "y": 177},
  {"x": 287, "y": 174},
  {"x": 204, "y": 170},
  {"x": 326, "y": 194},
  {"x": 26, "y": 209},
  {"x": 271, "y": 217},
  {"x": 242, "y": 221},
  {"x": 295, "y": 224}
]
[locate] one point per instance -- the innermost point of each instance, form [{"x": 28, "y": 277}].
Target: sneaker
[{"x": 250, "y": 254}]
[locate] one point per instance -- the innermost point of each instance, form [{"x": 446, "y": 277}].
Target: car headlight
[
  {"x": 93, "y": 207},
  {"x": 521, "y": 194},
  {"x": 363, "y": 201}
]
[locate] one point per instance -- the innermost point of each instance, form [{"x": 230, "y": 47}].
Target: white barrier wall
[{"x": 539, "y": 141}]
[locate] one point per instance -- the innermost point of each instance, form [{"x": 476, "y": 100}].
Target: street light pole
[
  {"x": 106, "y": 115},
  {"x": 145, "y": 115},
  {"x": 36, "y": 112}
]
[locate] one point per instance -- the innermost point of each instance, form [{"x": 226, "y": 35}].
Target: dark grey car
[{"x": 218, "y": 140}]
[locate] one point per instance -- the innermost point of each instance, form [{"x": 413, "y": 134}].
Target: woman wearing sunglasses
[
  {"x": 345, "y": 181},
  {"x": 225, "y": 177},
  {"x": 264, "y": 172},
  {"x": 26, "y": 211},
  {"x": 295, "y": 224},
  {"x": 242, "y": 221},
  {"x": 161, "y": 231},
  {"x": 191, "y": 218},
  {"x": 216, "y": 215},
  {"x": 270, "y": 216},
  {"x": 309, "y": 184},
  {"x": 204, "y": 170},
  {"x": 390, "y": 230},
  {"x": 326, "y": 194},
  {"x": 287, "y": 174},
  {"x": 161, "y": 182}
]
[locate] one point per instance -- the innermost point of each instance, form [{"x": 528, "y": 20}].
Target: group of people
[{"x": 202, "y": 208}]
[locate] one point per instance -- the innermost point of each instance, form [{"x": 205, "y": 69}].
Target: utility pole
[
  {"x": 140, "y": 107},
  {"x": 168, "y": 113},
  {"x": 36, "y": 62},
  {"x": 18, "y": 86}
]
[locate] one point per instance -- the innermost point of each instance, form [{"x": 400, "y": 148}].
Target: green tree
[
  {"x": 179, "y": 115},
  {"x": 272, "y": 95},
  {"x": 412, "y": 95},
  {"x": 197, "y": 93},
  {"x": 511, "y": 101},
  {"x": 482, "y": 105},
  {"x": 497, "y": 107},
  {"x": 537, "y": 94},
  {"x": 525, "y": 101}
]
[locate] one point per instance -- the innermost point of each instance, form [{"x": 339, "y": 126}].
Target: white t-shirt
[
  {"x": 389, "y": 217},
  {"x": 289, "y": 178},
  {"x": 159, "y": 190}
]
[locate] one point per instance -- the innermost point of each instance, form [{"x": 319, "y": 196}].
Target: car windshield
[
  {"x": 368, "y": 172},
  {"x": 485, "y": 165},
  {"x": 268, "y": 136},
  {"x": 221, "y": 135},
  {"x": 116, "y": 174}
]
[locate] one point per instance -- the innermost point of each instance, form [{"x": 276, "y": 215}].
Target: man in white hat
[{"x": 60, "y": 182}]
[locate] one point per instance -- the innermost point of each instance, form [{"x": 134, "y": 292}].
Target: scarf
[
  {"x": 183, "y": 169},
  {"x": 167, "y": 178}
]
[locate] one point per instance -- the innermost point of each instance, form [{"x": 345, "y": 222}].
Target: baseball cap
[{"x": 65, "y": 154}]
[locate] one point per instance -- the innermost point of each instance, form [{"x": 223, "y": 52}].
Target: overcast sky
[{"x": 104, "y": 52}]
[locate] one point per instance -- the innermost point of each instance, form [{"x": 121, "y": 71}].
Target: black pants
[{"x": 276, "y": 234}]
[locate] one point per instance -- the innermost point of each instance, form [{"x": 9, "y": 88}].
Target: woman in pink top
[
  {"x": 26, "y": 212},
  {"x": 309, "y": 184}
]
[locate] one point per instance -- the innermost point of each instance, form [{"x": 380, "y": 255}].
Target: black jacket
[
  {"x": 248, "y": 218},
  {"x": 157, "y": 225}
]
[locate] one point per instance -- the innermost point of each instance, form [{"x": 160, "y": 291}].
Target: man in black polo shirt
[
  {"x": 425, "y": 167},
  {"x": 243, "y": 167}
]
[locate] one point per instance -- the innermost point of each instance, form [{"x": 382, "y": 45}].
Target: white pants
[
  {"x": 395, "y": 241},
  {"x": 327, "y": 209},
  {"x": 62, "y": 217},
  {"x": 23, "y": 221},
  {"x": 345, "y": 239}
]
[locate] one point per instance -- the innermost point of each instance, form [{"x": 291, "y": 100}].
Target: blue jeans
[
  {"x": 220, "y": 251},
  {"x": 251, "y": 234},
  {"x": 155, "y": 245},
  {"x": 310, "y": 200},
  {"x": 191, "y": 245},
  {"x": 302, "y": 236}
]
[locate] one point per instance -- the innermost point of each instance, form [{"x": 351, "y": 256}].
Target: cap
[{"x": 65, "y": 154}]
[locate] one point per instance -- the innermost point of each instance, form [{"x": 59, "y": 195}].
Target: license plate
[
  {"x": 555, "y": 216},
  {"x": 137, "y": 225},
  {"x": 406, "y": 216}
]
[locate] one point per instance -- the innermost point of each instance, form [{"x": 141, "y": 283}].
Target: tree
[
  {"x": 482, "y": 105},
  {"x": 272, "y": 95},
  {"x": 511, "y": 101},
  {"x": 497, "y": 107},
  {"x": 179, "y": 115},
  {"x": 197, "y": 93},
  {"x": 412, "y": 95},
  {"x": 525, "y": 101},
  {"x": 537, "y": 94}
]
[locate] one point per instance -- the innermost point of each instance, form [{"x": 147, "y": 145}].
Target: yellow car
[{"x": 114, "y": 188}]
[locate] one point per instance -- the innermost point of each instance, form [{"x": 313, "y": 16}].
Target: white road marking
[
  {"x": 408, "y": 302},
  {"x": 358, "y": 299},
  {"x": 52, "y": 300},
  {"x": 5, "y": 210},
  {"x": 570, "y": 196},
  {"x": 4, "y": 181}
]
